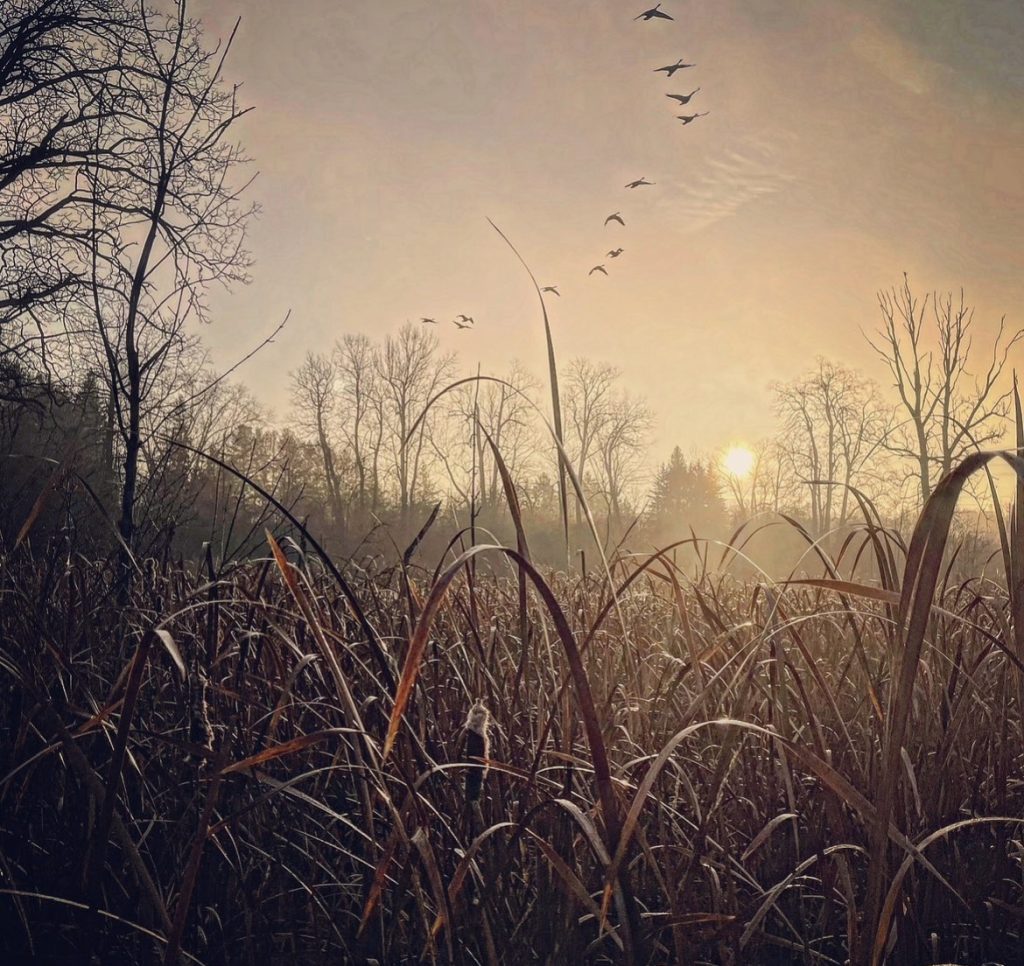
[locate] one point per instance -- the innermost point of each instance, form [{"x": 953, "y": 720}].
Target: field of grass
[
  {"x": 684, "y": 765},
  {"x": 445, "y": 751}
]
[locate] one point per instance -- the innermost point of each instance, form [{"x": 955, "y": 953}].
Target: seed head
[{"x": 477, "y": 745}]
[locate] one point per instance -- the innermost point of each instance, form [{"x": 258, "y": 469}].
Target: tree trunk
[
  {"x": 126, "y": 524},
  {"x": 333, "y": 486}
]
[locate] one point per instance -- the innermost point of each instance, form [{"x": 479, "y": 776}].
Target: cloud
[{"x": 728, "y": 181}]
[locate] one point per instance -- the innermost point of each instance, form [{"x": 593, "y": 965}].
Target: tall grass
[
  {"x": 800, "y": 772},
  {"x": 695, "y": 766}
]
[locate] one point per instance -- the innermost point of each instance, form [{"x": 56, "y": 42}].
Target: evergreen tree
[{"x": 686, "y": 494}]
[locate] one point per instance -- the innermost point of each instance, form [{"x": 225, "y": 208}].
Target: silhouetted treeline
[{"x": 123, "y": 201}]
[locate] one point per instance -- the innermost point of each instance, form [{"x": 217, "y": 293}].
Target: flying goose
[
  {"x": 652, "y": 13},
  {"x": 672, "y": 68},
  {"x": 683, "y": 98}
]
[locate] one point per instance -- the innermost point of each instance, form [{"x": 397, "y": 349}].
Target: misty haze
[{"x": 496, "y": 483}]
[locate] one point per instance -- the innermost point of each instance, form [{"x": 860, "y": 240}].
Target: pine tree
[{"x": 684, "y": 495}]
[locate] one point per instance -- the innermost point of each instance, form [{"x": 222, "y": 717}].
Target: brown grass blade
[
  {"x": 556, "y": 401},
  {"x": 56, "y": 478},
  {"x": 164, "y": 636},
  {"x": 924, "y": 560},
  {"x": 284, "y": 748},
  {"x": 892, "y": 896}
]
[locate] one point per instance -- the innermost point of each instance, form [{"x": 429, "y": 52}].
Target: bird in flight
[
  {"x": 690, "y": 118},
  {"x": 460, "y": 325},
  {"x": 672, "y": 68},
  {"x": 429, "y": 321},
  {"x": 683, "y": 98},
  {"x": 465, "y": 318},
  {"x": 639, "y": 183},
  {"x": 615, "y": 252},
  {"x": 598, "y": 268},
  {"x": 652, "y": 13},
  {"x": 553, "y": 289},
  {"x": 615, "y": 216}
]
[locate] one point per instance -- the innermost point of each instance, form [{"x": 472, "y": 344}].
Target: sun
[{"x": 738, "y": 461}]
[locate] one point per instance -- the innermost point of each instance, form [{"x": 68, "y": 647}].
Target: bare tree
[
  {"x": 621, "y": 448},
  {"x": 167, "y": 220},
  {"x": 61, "y": 66},
  {"x": 359, "y": 421},
  {"x": 770, "y": 487},
  {"x": 504, "y": 411},
  {"x": 206, "y": 412},
  {"x": 947, "y": 410},
  {"x": 834, "y": 424},
  {"x": 315, "y": 398},
  {"x": 587, "y": 399},
  {"x": 411, "y": 370},
  {"x": 62, "y": 69},
  {"x": 766, "y": 487}
]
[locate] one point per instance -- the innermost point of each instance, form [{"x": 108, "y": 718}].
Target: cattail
[
  {"x": 477, "y": 746},
  {"x": 200, "y": 730}
]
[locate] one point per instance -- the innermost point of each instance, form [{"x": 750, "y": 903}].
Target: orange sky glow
[{"x": 846, "y": 143}]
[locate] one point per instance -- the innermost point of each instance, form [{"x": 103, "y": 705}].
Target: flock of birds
[
  {"x": 460, "y": 321},
  {"x": 654, "y": 13}
]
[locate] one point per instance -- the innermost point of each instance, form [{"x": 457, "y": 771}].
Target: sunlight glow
[{"x": 738, "y": 461}]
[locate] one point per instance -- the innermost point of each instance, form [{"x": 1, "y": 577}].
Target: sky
[{"x": 847, "y": 143}]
